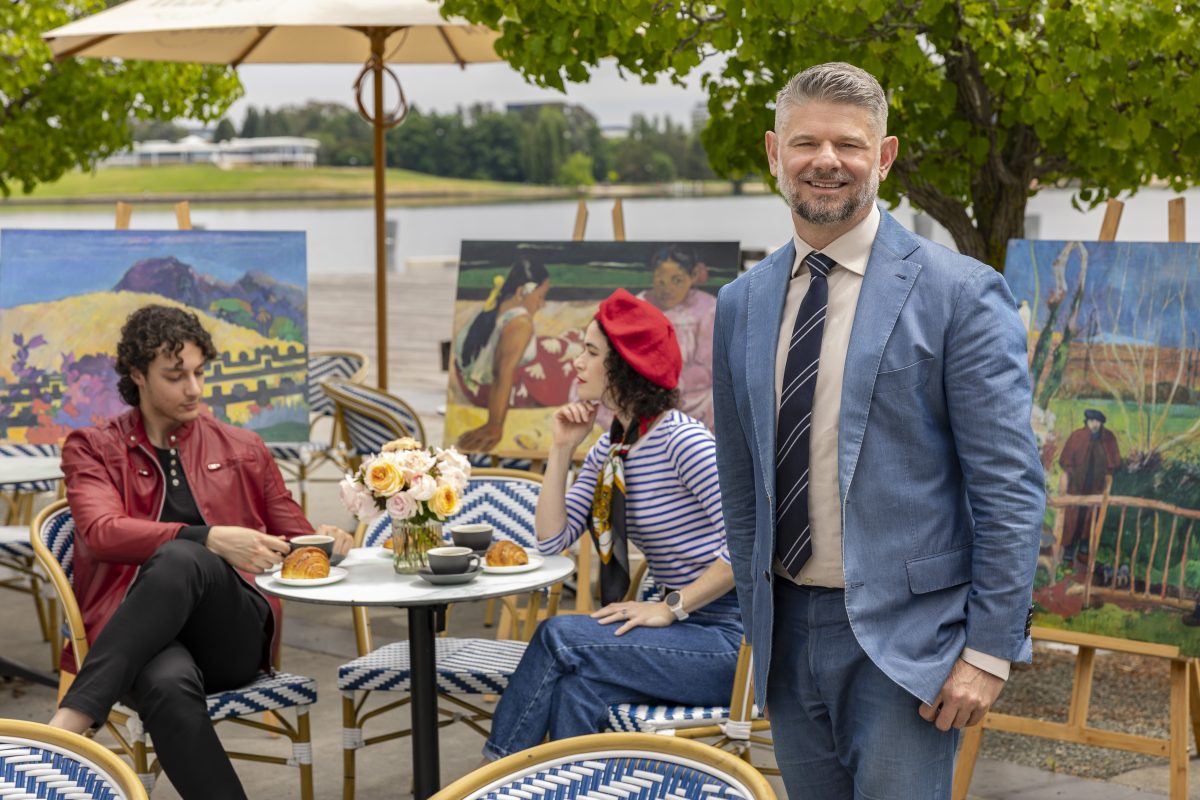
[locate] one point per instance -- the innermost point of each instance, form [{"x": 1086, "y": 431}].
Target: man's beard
[{"x": 827, "y": 212}]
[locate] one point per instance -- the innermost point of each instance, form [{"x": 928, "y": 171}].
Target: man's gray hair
[{"x": 835, "y": 82}]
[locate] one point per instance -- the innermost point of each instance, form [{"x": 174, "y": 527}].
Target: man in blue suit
[{"x": 882, "y": 491}]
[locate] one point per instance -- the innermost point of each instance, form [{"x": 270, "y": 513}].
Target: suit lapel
[
  {"x": 886, "y": 285},
  {"x": 764, "y": 312}
]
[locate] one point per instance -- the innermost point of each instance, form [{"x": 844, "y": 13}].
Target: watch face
[{"x": 673, "y": 599}]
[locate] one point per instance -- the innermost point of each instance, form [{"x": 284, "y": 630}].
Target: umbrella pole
[{"x": 380, "y": 160}]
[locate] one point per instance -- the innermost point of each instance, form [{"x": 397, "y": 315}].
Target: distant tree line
[{"x": 544, "y": 144}]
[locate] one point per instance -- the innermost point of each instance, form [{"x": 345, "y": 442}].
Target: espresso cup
[
  {"x": 475, "y": 536},
  {"x": 452, "y": 560},
  {"x": 318, "y": 540}
]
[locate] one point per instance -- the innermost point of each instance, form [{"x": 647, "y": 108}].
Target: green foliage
[
  {"x": 1158, "y": 626},
  {"x": 225, "y": 131},
  {"x": 284, "y": 328},
  {"x": 576, "y": 171},
  {"x": 990, "y": 101},
  {"x": 58, "y": 116}
]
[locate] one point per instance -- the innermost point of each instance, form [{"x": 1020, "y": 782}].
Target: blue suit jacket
[{"x": 942, "y": 490}]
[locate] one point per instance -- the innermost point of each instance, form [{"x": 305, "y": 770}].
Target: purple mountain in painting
[{"x": 255, "y": 300}]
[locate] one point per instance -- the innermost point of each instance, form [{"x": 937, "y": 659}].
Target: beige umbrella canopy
[{"x": 369, "y": 32}]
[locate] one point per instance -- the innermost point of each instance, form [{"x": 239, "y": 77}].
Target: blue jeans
[
  {"x": 575, "y": 668},
  {"x": 842, "y": 728}
]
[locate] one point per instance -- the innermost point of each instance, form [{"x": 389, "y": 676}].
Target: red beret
[{"x": 643, "y": 336}]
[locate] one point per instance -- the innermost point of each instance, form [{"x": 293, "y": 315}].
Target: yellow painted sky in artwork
[{"x": 91, "y": 323}]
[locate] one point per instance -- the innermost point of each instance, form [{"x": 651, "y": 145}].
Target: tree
[
  {"x": 991, "y": 101},
  {"x": 55, "y": 116},
  {"x": 576, "y": 170},
  {"x": 225, "y": 131},
  {"x": 252, "y": 124}
]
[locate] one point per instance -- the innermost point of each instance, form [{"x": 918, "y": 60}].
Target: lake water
[{"x": 341, "y": 238}]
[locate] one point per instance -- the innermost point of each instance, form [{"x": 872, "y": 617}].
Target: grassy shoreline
[{"x": 208, "y": 184}]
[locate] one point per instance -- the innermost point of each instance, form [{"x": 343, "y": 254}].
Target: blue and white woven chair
[
  {"x": 507, "y": 500},
  {"x": 368, "y": 418},
  {"x": 633, "y": 765},
  {"x": 16, "y": 552},
  {"x": 298, "y": 460},
  {"x": 735, "y": 727},
  {"x": 39, "y": 761},
  {"x": 54, "y": 545}
]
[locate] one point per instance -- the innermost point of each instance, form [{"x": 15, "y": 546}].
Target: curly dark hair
[
  {"x": 152, "y": 330},
  {"x": 632, "y": 393}
]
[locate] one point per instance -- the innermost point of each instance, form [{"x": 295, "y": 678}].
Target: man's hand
[
  {"x": 964, "y": 699},
  {"x": 342, "y": 541},
  {"x": 634, "y": 614},
  {"x": 245, "y": 548}
]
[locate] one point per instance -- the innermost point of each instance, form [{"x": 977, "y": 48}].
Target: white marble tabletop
[
  {"x": 26, "y": 469},
  {"x": 373, "y": 582}
]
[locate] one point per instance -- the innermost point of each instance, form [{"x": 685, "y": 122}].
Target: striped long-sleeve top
[{"x": 672, "y": 500}]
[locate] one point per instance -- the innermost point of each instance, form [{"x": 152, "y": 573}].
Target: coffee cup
[
  {"x": 474, "y": 536},
  {"x": 452, "y": 560},
  {"x": 318, "y": 540}
]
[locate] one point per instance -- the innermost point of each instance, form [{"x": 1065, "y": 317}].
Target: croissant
[
  {"x": 305, "y": 563},
  {"x": 506, "y": 554}
]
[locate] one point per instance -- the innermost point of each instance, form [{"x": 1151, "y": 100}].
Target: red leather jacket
[{"x": 116, "y": 490}]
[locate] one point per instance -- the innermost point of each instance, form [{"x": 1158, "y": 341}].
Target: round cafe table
[{"x": 371, "y": 581}]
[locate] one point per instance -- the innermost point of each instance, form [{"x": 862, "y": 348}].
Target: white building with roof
[{"x": 274, "y": 151}]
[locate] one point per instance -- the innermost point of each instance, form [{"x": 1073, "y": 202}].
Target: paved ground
[{"x": 318, "y": 639}]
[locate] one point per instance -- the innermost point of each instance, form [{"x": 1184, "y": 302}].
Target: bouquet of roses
[{"x": 410, "y": 482}]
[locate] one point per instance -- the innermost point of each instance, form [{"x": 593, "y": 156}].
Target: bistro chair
[
  {"x": 54, "y": 543},
  {"x": 39, "y": 761},
  {"x": 736, "y": 727},
  {"x": 367, "y": 418},
  {"x": 601, "y": 765},
  {"x": 507, "y": 500},
  {"x": 16, "y": 552},
  {"x": 298, "y": 460}
]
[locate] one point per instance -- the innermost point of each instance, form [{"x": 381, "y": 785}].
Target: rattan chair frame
[
  {"x": 97, "y": 756},
  {"x": 598, "y": 746}
]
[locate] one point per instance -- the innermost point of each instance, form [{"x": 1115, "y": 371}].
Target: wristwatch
[{"x": 674, "y": 601}]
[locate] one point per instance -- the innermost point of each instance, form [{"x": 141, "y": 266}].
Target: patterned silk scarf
[{"x": 608, "y": 513}]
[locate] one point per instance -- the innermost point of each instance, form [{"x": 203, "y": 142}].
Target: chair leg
[
  {"x": 304, "y": 740},
  {"x": 489, "y": 613},
  {"x": 351, "y": 741},
  {"x": 301, "y": 475}
]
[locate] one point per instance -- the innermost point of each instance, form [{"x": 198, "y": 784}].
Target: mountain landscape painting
[
  {"x": 1114, "y": 355},
  {"x": 65, "y": 294}
]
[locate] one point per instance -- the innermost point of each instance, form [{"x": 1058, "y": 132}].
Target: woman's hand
[
  {"x": 481, "y": 439},
  {"x": 572, "y": 424},
  {"x": 635, "y": 614}
]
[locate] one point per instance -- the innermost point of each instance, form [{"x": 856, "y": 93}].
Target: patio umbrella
[{"x": 369, "y": 32}]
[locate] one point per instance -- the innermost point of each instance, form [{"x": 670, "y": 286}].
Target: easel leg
[
  {"x": 964, "y": 765},
  {"x": 1179, "y": 730},
  {"x": 1194, "y": 698},
  {"x": 1081, "y": 690}
]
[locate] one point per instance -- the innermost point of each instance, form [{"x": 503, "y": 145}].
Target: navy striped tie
[{"x": 793, "y": 534}]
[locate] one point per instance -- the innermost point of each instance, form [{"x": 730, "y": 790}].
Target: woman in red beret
[{"x": 652, "y": 480}]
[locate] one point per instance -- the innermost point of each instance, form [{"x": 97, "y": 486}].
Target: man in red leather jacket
[{"x": 175, "y": 513}]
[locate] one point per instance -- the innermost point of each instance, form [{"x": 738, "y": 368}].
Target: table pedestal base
[{"x": 423, "y": 690}]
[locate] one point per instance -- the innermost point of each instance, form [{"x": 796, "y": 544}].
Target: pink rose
[
  {"x": 422, "y": 487},
  {"x": 401, "y": 505}
]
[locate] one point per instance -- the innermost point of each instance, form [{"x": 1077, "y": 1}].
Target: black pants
[{"x": 189, "y": 626}]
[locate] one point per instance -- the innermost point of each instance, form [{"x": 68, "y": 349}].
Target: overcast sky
[{"x": 612, "y": 100}]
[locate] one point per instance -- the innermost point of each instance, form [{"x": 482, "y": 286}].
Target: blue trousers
[
  {"x": 842, "y": 728},
  {"x": 575, "y": 668}
]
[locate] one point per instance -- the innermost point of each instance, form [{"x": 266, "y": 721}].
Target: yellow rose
[
  {"x": 384, "y": 478},
  {"x": 444, "y": 502},
  {"x": 404, "y": 443}
]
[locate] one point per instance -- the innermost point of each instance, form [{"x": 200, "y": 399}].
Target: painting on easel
[
  {"x": 64, "y": 295},
  {"x": 536, "y": 299},
  {"x": 1114, "y": 353}
]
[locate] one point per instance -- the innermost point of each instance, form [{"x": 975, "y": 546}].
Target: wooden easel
[
  {"x": 1185, "y": 672},
  {"x": 183, "y": 215}
]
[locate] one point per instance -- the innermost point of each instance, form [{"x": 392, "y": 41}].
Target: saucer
[
  {"x": 447, "y": 579},
  {"x": 335, "y": 575}
]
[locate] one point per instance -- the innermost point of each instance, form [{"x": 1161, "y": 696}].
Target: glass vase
[{"x": 411, "y": 541}]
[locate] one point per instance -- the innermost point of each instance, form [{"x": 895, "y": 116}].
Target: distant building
[
  {"x": 275, "y": 151},
  {"x": 614, "y": 131}
]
